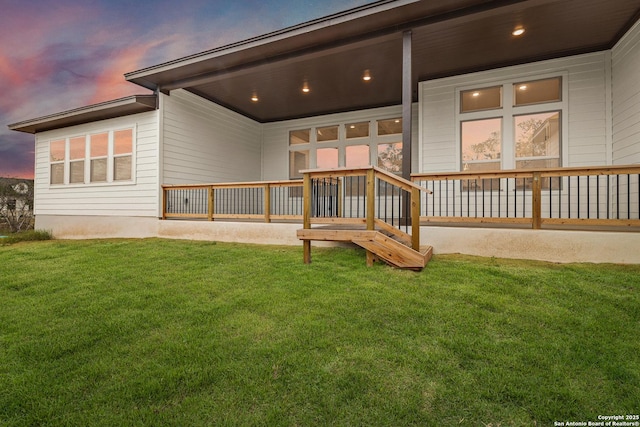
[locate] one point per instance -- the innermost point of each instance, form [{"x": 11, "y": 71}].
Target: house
[{"x": 522, "y": 118}]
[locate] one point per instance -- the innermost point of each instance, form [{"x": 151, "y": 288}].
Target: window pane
[
  {"x": 76, "y": 169},
  {"x": 537, "y": 135},
  {"x": 481, "y": 141},
  {"x": 329, "y": 133},
  {"x": 122, "y": 168},
  {"x": 481, "y": 99},
  {"x": 98, "y": 170},
  {"x": 298, "y": 160},
  {"x": 357, "y": 130},
  {"x": 99, "y": 144},
  {"x": 56, "y": 151},
  {"x": 357, "y": 156},
  {"x": 390, "y": 157},
  {"x": 389, "y": 127},
  {"x": 57, "y": 173},
  {"x": 77, "y": 148},
  {"x": 327, "y": 158},
  {"x": 535, "y": 92},
  {"x": 299, "y": 136},
  {"x": 123, "y": 142}
]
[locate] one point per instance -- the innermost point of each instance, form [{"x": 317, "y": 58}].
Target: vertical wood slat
[
  {"x": 536, "y": 202},
  {"x": 210, "y": 206},
  {"x": 165, "y": 192},
  {"x": 306, "y": 215},
  {"x": 267, "y": 203},
  {"x": 371, "y": 199},
  {"x": 415, "y": 219}
]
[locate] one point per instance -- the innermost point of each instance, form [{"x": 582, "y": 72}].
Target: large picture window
[
  {"x": 517, "y": 125},
  {"x": 95, "y": 158}
]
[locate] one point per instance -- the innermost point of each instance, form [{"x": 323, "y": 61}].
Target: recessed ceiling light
[
  {"x": 475, "y": 94},
  {"x": 522, "y": 87},
  {"x": 305, "y": 87},
  {"x": 366, "y": 76},
  {"x": 518, "y": 31},
  {"x": 254, "y": 97}
]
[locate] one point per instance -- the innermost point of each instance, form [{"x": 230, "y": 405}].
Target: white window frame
[
  {"x": 508, "y": 111},
  {"x": 87, "y": 159}
]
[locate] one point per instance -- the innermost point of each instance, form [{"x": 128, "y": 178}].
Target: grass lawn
[{"x": 178, "y": 333}]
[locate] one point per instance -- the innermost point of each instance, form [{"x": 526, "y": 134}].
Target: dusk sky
[{"x": 55, "y": 56}]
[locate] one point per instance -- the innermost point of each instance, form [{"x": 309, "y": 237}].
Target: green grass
[{"x": 177, "y": 333}]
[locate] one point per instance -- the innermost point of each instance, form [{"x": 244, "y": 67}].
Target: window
[
  {"x": 481, "y": 99},
  {"x": 298, "y": 161},
  {"x": 327, "y": 158},
  {"x": 352, "y": 144},
  {"x": 325, "y": 134},
  {"x": 95, "y": 158},
  {"x": 56, "y": 159},
  {"x": 537, "y": 92},
  {"x": 357, "y": 156},
  {"x": 517, "y": 125},
  {"x": 122, "y": 152},
  {"x": 99, "y": 150},
  {"x": 537, "y": 140},
  {"x": 389, "y": 127},
  {"x": 390, "y": 157},
  {"x": 357, "y": 130},
  {"x": 77, "y": 153},
  {"x": 481, "y": 144}
]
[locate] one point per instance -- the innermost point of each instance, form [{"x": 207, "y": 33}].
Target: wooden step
[{"x": 378, "y": 244}]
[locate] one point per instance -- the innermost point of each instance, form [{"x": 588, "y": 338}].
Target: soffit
[{"x": 448, "y": 38}]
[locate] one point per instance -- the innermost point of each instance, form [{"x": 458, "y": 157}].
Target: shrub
[{"x": 26, "y": 236}]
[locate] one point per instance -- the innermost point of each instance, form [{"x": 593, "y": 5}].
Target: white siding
[
  {"x": 276, "y": 135},
  {"x": 588, "y": 134},
  {"x": 139, "y": 198},
  {"x": 626, "y": 98},
  {"x": 204, "y": 142}
]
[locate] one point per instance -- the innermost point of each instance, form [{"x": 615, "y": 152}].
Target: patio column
[{"x": 407, "y": 100}]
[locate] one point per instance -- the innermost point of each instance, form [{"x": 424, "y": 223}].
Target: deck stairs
[{"x": 379, "y": 244}]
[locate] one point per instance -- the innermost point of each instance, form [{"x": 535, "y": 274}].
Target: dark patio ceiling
[{"x": 449, "y": 37}]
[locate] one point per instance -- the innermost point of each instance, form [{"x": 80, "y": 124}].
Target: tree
[{"x": 16, "y": 204}]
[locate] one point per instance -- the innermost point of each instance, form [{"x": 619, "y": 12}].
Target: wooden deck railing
[
  {"x": 593, "y": 196},
  {"x": 263, "y": 201},
  {"x": 366, "y": 196}
]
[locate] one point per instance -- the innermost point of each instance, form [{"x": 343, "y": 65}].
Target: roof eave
[
  {"x": 139, "y": 76},
  {"x": 105, "y": 110}
]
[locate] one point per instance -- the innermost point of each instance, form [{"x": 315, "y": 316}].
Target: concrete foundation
[{"x": 544, "y": 245}]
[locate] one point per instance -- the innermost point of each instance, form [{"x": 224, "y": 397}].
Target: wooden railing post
[
  {"x": 306, "y": 215},
  {"x": 371, "y": 198},
  {"x": 164, "y": 202},
  {"x": 210, "y": 209},
  {"x": 415, "y": 219},
  {"x": 536, "y": 200},
  {"x": 267, "y": 203}
]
